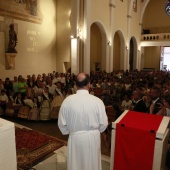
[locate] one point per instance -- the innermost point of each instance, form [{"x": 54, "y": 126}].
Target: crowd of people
[
  {"x": 141, "y": 91},
  {"x": 40, "y": 97},
  {"x": 35, "y": 97}
]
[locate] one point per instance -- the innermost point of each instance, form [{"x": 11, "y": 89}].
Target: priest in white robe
[{"x": 83, "y": 117}]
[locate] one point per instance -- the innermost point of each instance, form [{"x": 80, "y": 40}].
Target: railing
[{"x": 156, "y": 37}]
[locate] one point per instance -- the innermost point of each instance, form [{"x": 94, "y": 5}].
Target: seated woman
[
  {"x": 45, "y": 105},
  {"x": 18, "y": 103},
  {"x": 56, "y": 103},
  {"x": 38, "y": 88},
  {"x": 8, "y": 86},
  {"x": 3, "y": 101},
  {"x": 34, "y": 113},
  {"x": 10, "y": 108},
  {"x": 31, "y": 85},
  {"x": 1, "y": 85},
  {"x": 25, "y": 109}
]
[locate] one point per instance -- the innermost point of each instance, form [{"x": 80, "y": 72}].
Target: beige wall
[
  {"x": 36, "y": 44},
  {"x": 100, "y": 12},
  {"x": 155, "y": 16},
  {"x": 63, "y": 34},
  {"x": 120, "y": 15},
  {"x": 47, "y": 46},
  {"x": 152, "y": 57}
]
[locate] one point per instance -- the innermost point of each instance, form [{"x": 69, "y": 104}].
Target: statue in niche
[{"x": 12, "y": 40}]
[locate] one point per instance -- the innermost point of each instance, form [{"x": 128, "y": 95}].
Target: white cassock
[{"x": 83, "y": 117}]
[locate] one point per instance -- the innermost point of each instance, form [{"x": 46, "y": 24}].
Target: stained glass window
[{"x": 167, "y": 7}]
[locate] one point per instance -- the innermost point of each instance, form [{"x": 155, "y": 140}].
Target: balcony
[{"x": 156, "y": 37}]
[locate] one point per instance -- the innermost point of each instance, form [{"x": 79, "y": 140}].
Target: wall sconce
[
  {"x": 126, "y": 48},
  {"x": 109, "y": 43},
  {"x": 71, "y": 36},
  {"x": 79, "y": 33}
]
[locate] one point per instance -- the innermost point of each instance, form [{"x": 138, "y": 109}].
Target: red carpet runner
[
  {"x": 33, "y": 146},
  {"x": 135, "y": 141}
]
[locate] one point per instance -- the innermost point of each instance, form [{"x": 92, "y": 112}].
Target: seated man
[
  {"x": 139, "y": 105},
  {"x": 155, "y": 107}
]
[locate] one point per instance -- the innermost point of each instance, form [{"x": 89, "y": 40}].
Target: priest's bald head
[{"x": 83, "y": 81}]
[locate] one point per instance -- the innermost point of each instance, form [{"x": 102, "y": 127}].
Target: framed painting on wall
[
  {"x": 26, "y": 10},
  {"x": 135, "y": 5}
]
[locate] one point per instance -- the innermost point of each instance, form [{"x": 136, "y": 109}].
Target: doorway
[{"x": 165, "y": 58}]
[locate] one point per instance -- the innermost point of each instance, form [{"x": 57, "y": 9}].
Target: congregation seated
[
  {"x": 117, "y": 83},
  {"x": 118, "y": 89}
]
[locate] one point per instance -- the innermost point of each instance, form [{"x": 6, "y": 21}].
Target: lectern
[{"x": 151, "y": 131}]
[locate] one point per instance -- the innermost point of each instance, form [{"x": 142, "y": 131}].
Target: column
[
  {"x": 112, "y": 6},
  {"x": 75, "y": 38},
  {"x": 86, "y": 61},
  {"x": 127, "y": 66}
]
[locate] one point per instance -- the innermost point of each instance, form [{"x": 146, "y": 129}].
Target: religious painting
[
  {"x": 26, "y": 10},
  {"x": 135, "y": 5}
]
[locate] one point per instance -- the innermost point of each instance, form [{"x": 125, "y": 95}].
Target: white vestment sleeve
[
  {"x": 103, "y": 120},
  {"x": 62, "y": 122}
]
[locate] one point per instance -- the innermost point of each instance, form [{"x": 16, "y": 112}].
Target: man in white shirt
[
  {"x": 83, "y": 117},
  {"x": 51, "y": 87}
]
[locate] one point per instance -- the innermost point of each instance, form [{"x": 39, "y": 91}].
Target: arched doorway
[
  {"x": 118, "y": 51},
  {"x": 97, "y": 47},
  {"x": 133, "y": 54}
]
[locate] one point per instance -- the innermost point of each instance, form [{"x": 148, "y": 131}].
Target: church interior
[{"x": 124, "y": 45}]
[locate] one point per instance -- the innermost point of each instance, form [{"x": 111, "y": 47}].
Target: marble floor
[{"x": 58, "y": 161}]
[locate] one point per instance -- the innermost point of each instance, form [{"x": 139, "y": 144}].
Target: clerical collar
[{"x": 82, "y": 91}]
